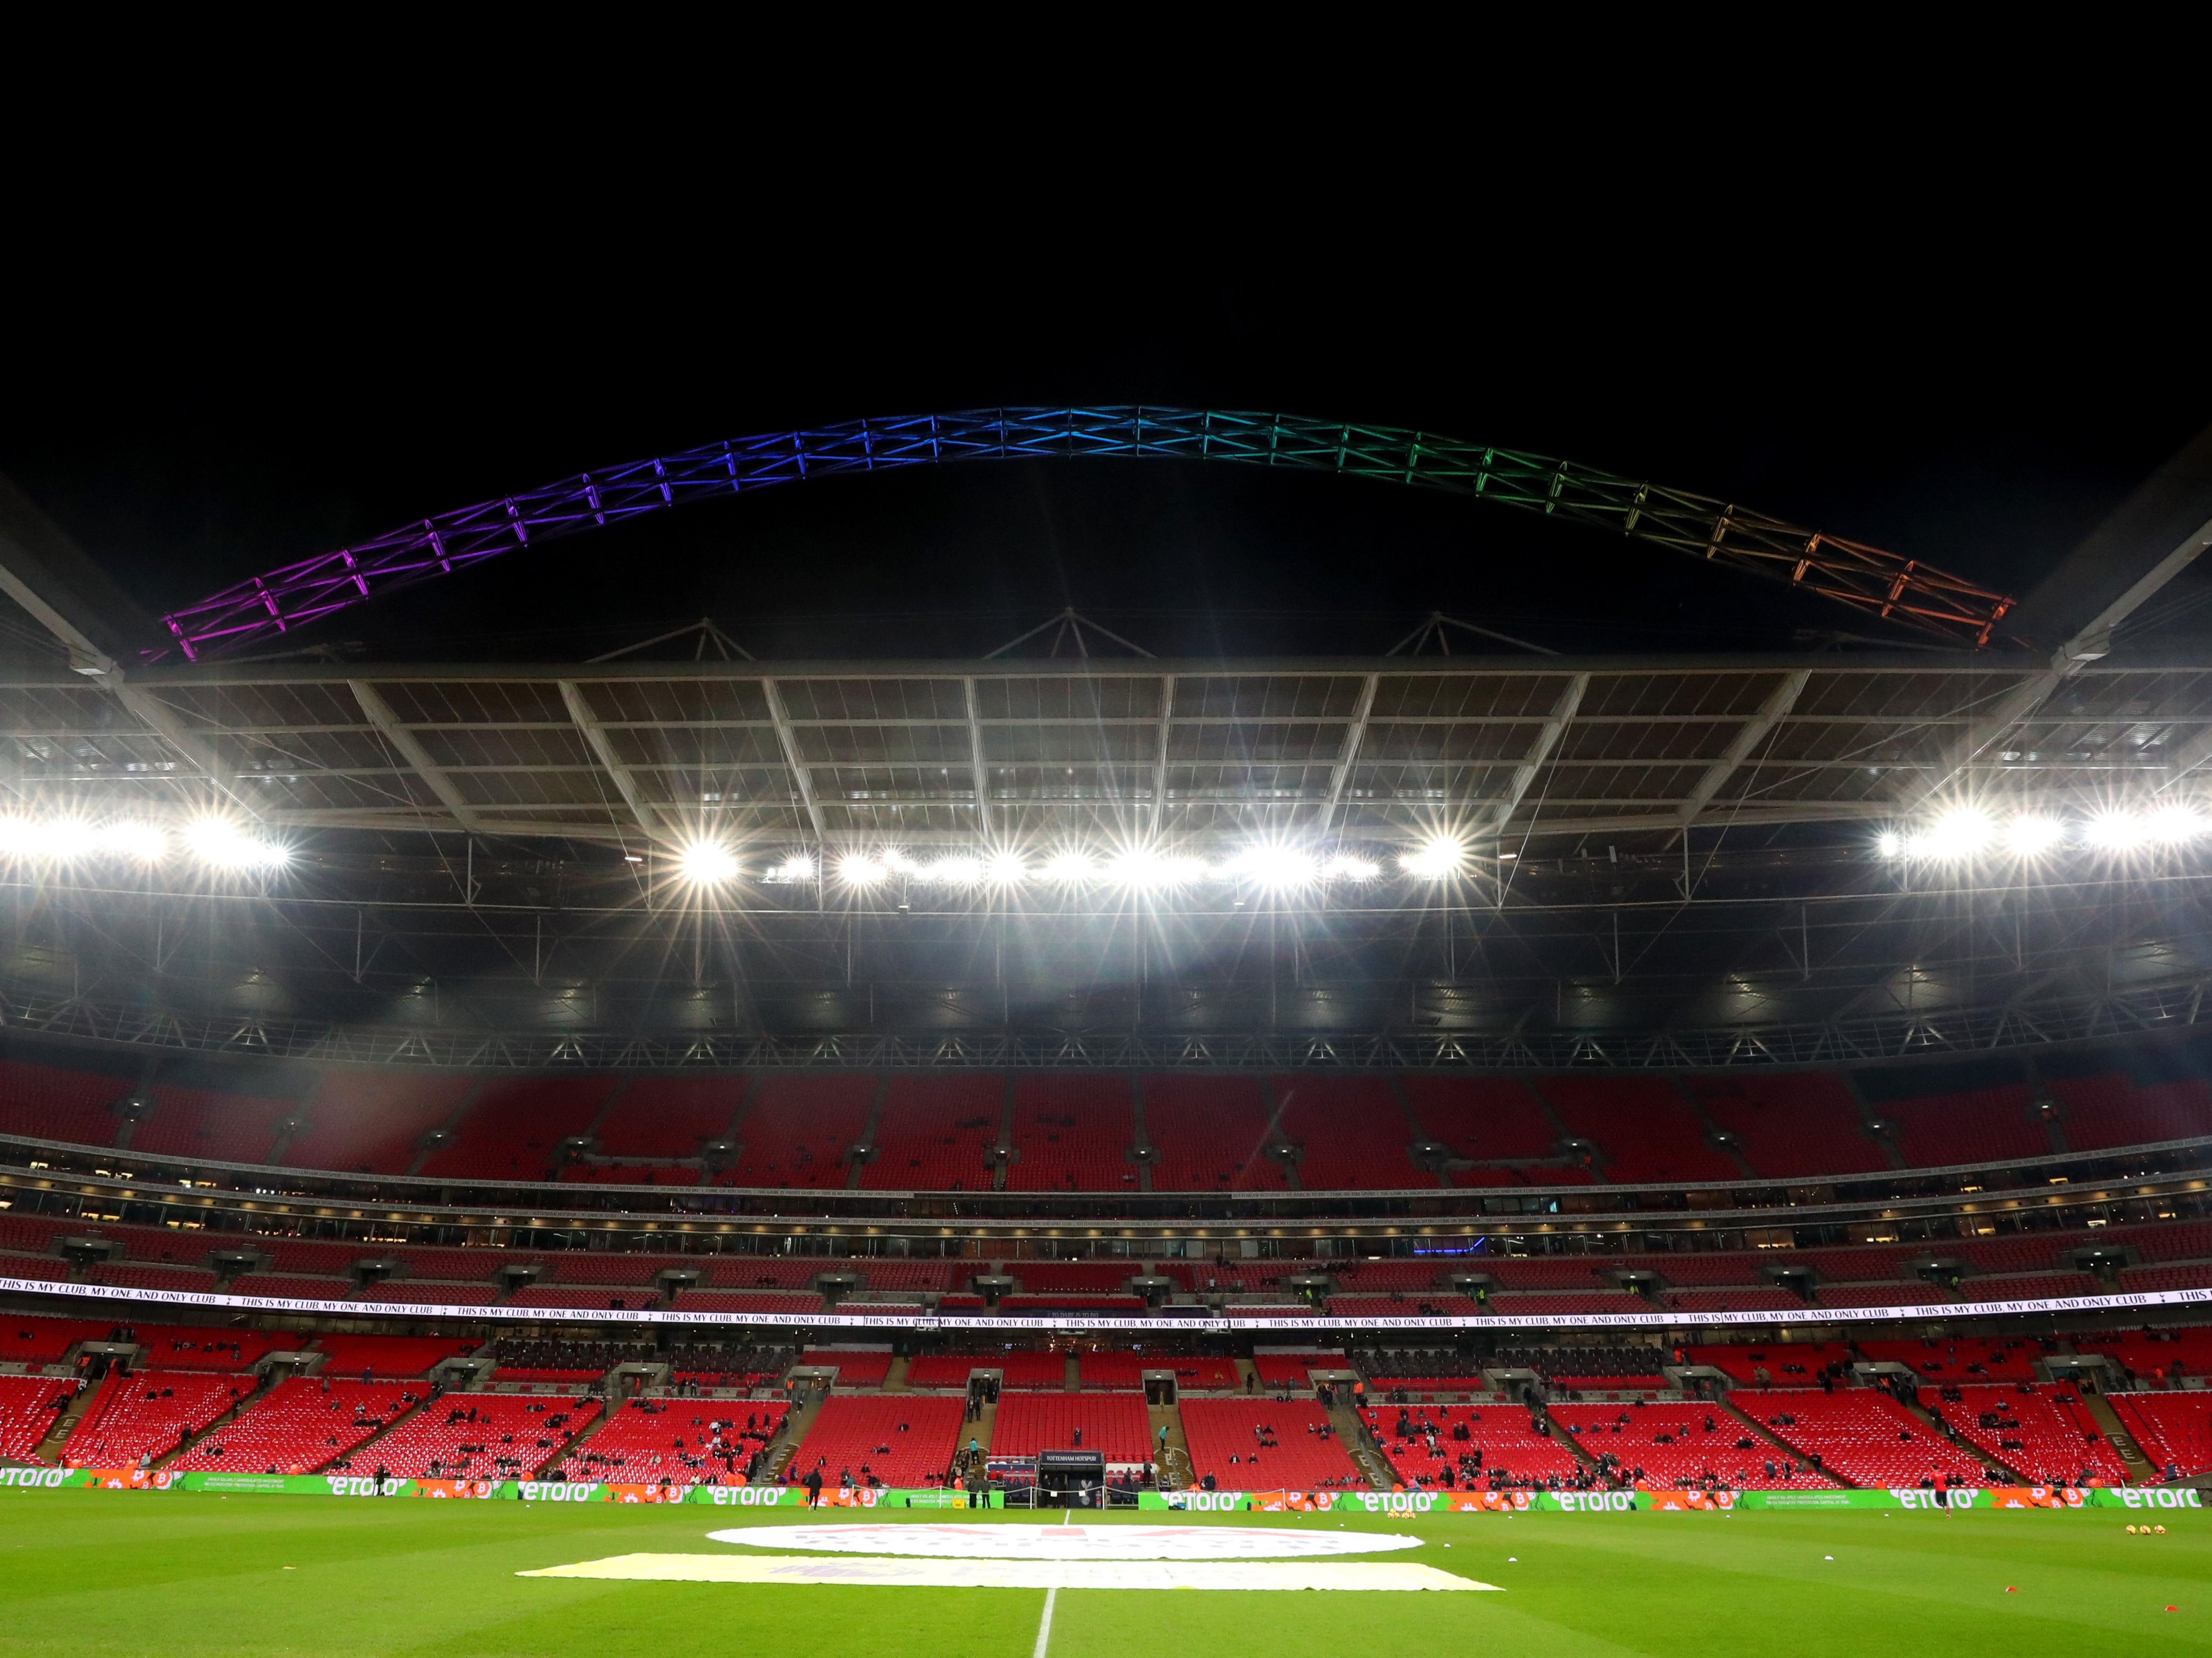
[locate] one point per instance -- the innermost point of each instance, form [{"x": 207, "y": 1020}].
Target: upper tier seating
[
  {"x": 572, "y": 1294},
  {"x": 2167, "y": 1354},
  {"x": 766, "y": 1271},
  {"x": 798, "y": 1129},
  {"x": 204, "y": 1347},
  {"x": 668, "y": 1118},
  {"x": 1298, "y": 1458},
  {"x": 1699, "y": 1442},
  {"x": 2114, "y": 1110},
  {"x": 905, "y": 1274},
  {"x": 1114, "y": 1370},
  {"x": 861, "y": 1368},
  {"x": 1959, "y": 1361},
  {"x": 1731, "y": 1300},
  {"x": 1342, "y": 1126},
  {"x": 1073, "y": 1277},
  {"x": 1022, "y": 1369},
  {"x": 515, "y": 1126},
  {"x": 1879, "y": 1295},
  {"x": 1486, "y": 1118},
  {"x": 431, "y": 1294},
  {"x": 28, "y": 1339},
  {"x": 217, "y": 1127},
  {"x": 371, "y": 1121},
  {"x": 1644, "y": 1129},
  {"x": 1790, "y": 1123},
  {"x": 2043, "y": 1432},
  {"x": 390, "y": 1356},
  {"x": 2173, "y": 1429},
  {"x": 1982, "y": 1125},
  {"x": 1861, "y": 1434},
  {"x": 1114, "y": 1423},
  {"x": 1209, "y": 1134},
  {"x": 900, "y": 1440},
  {"x": 302, "y": 1424},
  {"x": 135, "y": 1276},
  {"x": 29, "y": 1405},
  {"x": 1777, "y": 1365},
  {"x": 648, "y": 1440},
  {"x": 932, "y": 1130},
  {"x": 1511, "y": 1446},
  {"x": 1288, "y": 1371},
  {"x": 480, "y": 1437},
  {"x": 45, "y": 1102},
  {"x": 744, "y": 1301},
  {"x": 150, "y": 1412},
  {"x": 1073, "y": 1133}
]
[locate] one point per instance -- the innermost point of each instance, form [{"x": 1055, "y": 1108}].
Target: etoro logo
[
  {"x": 1398, "y": 1501},
  {"x": 1597, "y": 1501},
  {"x": 2182, "y": 1497},
  {"x": 557, "y": 1490},
  {"x": 745, "y": 1496},
  {"x": 44, "y": 1477},
  {"x": 356, "y": 1485},
  {"x": 1908, "y": 1498}
]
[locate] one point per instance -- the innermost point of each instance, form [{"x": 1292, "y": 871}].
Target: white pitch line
[{"x": 1044, "y": 1627}]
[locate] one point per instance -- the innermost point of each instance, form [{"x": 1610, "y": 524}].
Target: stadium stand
[
  {"x": 149, "y": 1413},
  {"x": 1108, "y": 1371},
  {"x": 2173, "y": 1429},
  {"x": 2113, "y": 1109},
  {"x": 43, "y": 1102},
  {"x": 1342, "y": 1126},
  {"x": 1073, "y": 1277},
  {"x": 1115, "y": 1425},
  {"x": 635, "y": 1271},
  {"x": 516, "y": 1125},
  {"x": 645, "y": 1441},
  {"x": 29, "y": 1405},
  {"x": 207, "y": 1125},
  {"x": 920, "y": 1275},
  {"x": 299, "y": 1425},
  {"x": 372, "y": 1121},
  {"x": 796, "y": 1307},
  {"x": 136, "y": 1276},
  {"x": 29, "y": 1338},
  {"x": 1504, "y": 1444},
  {"x": 1209, "y": 1134},
  {"x": 1731, "y": 1300},
  {"x": 729, "y": 1364},
  {"x": 1791, "y": 1123},
  {"x": 48, "y": 1267},
  {"x": 1023, "y": 1369},
  {"x": 2042, "y": 1431},
  {"x": 2165, "y": 1355},
  {"x": 765, "y": 1273},
  {"x": 1879, "y": 1295},
  {"x": 1644, "y": 1130},
  {"x": 1482, "y": 1119},
  {"x": 389, "y": 1356},
  {"x": 1248, "y": 1444},
  {"x": 1861, "y": 1434},
  {"x": 897, "y": 1439},
  {"x": 1290, "y": 1369},
  {"x": 1682, "y": 1445},
  {"x": 1074, "y": 1134},
  {"x": 932, "y": 1130},
  {"x": 1959, "y": 1361},
  {"x": 798, "y": 1129},
  {"x": 1983, "y": 1125},
  {"x": 1778, "y": 1365},
  {"x": 856, "y": 1367},
  {"x": 667, "y": 1118},
  {"x": 424, "y": 1294},
  {"x": 558, "y": 1295},
  {"x": 199, "y": 1347},
  {"x": 480, "y": 1437}
]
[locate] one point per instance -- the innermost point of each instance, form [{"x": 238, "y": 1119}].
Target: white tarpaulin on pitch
[
  {"x": 1069, "y": 1542},
  {"x": 882, "y": 1571}
]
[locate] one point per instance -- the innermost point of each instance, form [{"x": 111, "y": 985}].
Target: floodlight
[
  {"x": 705, "y": 862},
  {"x": 1961, "y": 833},
  {"x": 1346, "y": 867},
  {"x": 146, "y": 842},
  {"x": 29, "y": 837},
  {"x": 222, "y": 844},
  {"x": 2029, "y": 835},
  {"x": 797, "y": 867},
  {"x": 1275, "y": 866},
  {"x": 1436, "y": 860},
  {"x": 855, "y": 870},
  {"x": 1070, "y": 868},
  {"x": 1147, "y": 870},
  {"x": 1005, "y": 869},
  {"x": 1890, "y": 844},
  {"x": 2174, "y": 824},
  {"x": 898, "y": 863},
  {"x": 2116, "y": 831},
  {"x": 959, "y": 870}
]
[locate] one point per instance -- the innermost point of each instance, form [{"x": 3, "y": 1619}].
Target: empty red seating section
[
  {"x": 1790, "y": 1123},
  {"x": 2043, "y": 1432},
  {"x": 571, "y": 1295},
  {"x": 1731, "y": 1300},
  {"x": 1217, "y": 1430},
  {"x": 368, "y": 1122},
  {"x": 1879, "y": 1295},
  {"x": 648, "y": 1440},
  {"x": 856, "y": 1368},
  {"x": 26, "y": 1339},
  {"x": 933, "y": 1131},
  {"x": 577, "y": 1267},
  {"x": 1349, "y": 1130},
  {"x": 390, "y": 1356},
  {"x": 1289, "y": 1369},
  {"x": 2167, "y": 1354},
  {"x": 1959, "y": 1361},
  {"x": 1699, "y": 1442},
  {"x": 2114, "y": 1110},
  {"x": 43, "y": 1102},
  {"x": 1644, "y": 1128},
  {"x": 27, "y": 1412},
  {"x": 191, "y": 1122},
  {"x": 1091, "y": 1278},
  {"x": 197, "y": 1347},
  {"x": 798, "y": 1129},
  {"x": 2173, "y": 1429},
  {"x": 136, "y": 1276},
  {"x": 1073, "y": 1133},
  {"x": 510, "y": 1437},
  {"x": 512, "y": 1131},
  {"x": 1488, "y": 1118},
  {"x": 906, "y": 1274},
  {"x": 1510, "y": 1445},
  {"x": 1860, "y": 1434},
  {"x": 1985, "y": 1125},
  {"x": 783, "y": 1304},
  {"x": 899, "y": 1439},
  {"x": 432, "y": 1295},
  {"x": 766, "y": 1273},
  {"x": 150, "y": 1412},
  {"x": 1210, "y": 1133},
  {"x": 303, "y": 1422},
  {"x": 1115, "y": 1425},
  {"x": 1792, "y": 1365},
  {"x": 1032, "y": 1370},
  {"x": 669, "y": 1117}
]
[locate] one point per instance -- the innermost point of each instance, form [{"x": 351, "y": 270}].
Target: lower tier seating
[
  {"x": 1257, "y": 1444},
  {"x": 1045, "y": 1370},
  {"x": 685, "y": 1441},
  {"x": 1679, "y": 1444},
  {"x": 1290, "y": 1369},
  {"x": 389, "y": 1356},
  {"x": 303, "y": 1423},
  {"x": 1959, "y": 1361},
  {"x": 479, "y": 1437},
  {"x": 1860, "y": 1434},
  {"x": 1114, "y": 1423},
  {"x": 2043, "y": 1431},
  {"x": 1503, "y": 1445},
  {"x": 149, "y": 1413},
  {"x": 2173, "y": 1429},
  {"x": 1777, "y": 1364},
  {"x": 893, "y": 1439},
  {"x": 29, "y": 1407},
  {"x": 856, "y": 1368}
]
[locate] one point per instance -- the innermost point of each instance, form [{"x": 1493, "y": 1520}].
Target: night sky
[{"x": 269, "y": 395}]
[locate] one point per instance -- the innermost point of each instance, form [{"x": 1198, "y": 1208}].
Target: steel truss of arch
[
  {"x": 1868, "y": 579},
  {"x": 2142, "y": 1011}
]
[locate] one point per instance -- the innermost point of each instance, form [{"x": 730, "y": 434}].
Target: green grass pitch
[{"x": 197, "y": 1575}]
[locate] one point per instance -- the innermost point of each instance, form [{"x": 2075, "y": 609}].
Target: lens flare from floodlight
[
  {"x": 2172, "y": 825},
  {"x": 1005, "y": 869},
  {"x": 797, "y": 867},
  {"x": 1890, "y": 844},
  {"x": 957, "y": 871},
  {"x": 707, "y": 863},
  {"x": 220, "y": 844},
  {"x": 2029, "y": 835},
  {"x": 1961, "y": 833},
  {"x": 1436, "y": 860},
  {"x": 1346, "y": 867},
  {"x": 43, "y": 840},
  {"x": 1276, "y": 867},
  {"x": 857, "y": 870},
  {"x": 144, "y": 843},
  {"x": 897, "y": 862},
  {"x": 1144, "y": 870},
  {"x": 2115, "y": 831},
  {"x": 1070, "y": 868}
]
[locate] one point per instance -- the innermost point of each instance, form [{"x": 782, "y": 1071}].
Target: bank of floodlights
[
  {"x": 216, "y": 843},
  {"x": 1965, "y": 834}
]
